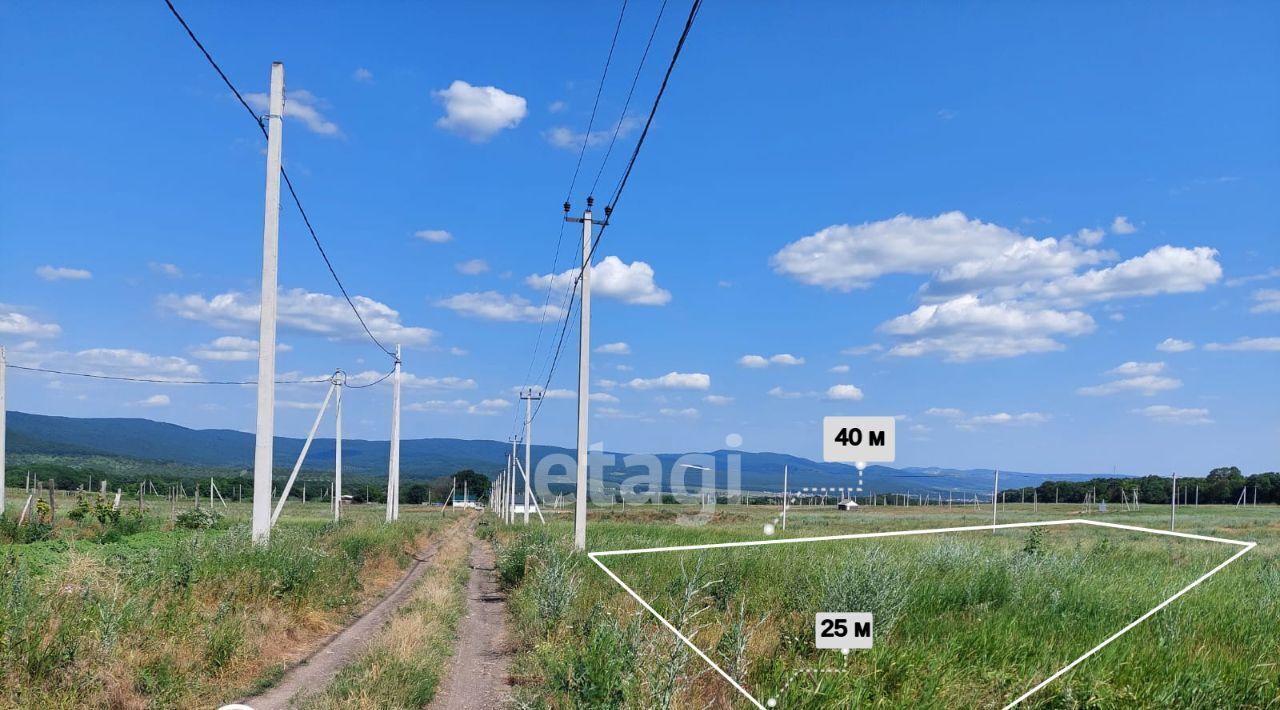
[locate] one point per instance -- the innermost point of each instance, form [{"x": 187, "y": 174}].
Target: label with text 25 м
[{"x": 869, "y": 439}]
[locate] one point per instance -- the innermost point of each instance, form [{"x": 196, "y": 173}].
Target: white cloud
[
  {"x": 1136, "y": 368},
  {"x": 718, "y": 399},
  {"x": 118, "y": 362},
  {"x": 472, "y": 267},
  {"x": 612, "y": 278},
  {"x": 438, "y": 406},
  {"x": 557, "y": 106},
  {"x": 304, "y": 311},
  {"x": 614, "y": 349},
  {"x": 966, "y": 329},
  {"x": 1242, "y": 280},
  {"x": 947, "y": 412},
  {"x": 848, "y": 257},
  {"x": 362, "y": 74},
  {"x": 1266, "y": 300},
  {"x": 603, "y": 397},
  {"x": 302, "y": 105},
  {"x": 457, "y": 351},
  {"x": 488, "y": 407},
  {"x": 232, "y": 348},
  {"x": 569, "y": 139},
  {"x": 1141, "y": 377},
  {"x": 1005, "y": 418},
  {"x": 1247, "y": 344},
  {"x": 437, "y": 236},
  {"x": 781, "y": 393},
  {"x": 1174, "y": 345},
  {"x": 758, "y": 361},
  {"x": 623, "y": 368},
  {"x": 863, "y": 349},
  {"x": 1121, "y": 225},
  {"x": 552, "y": 393},
  {"x": 1174, "y": 415},
  {"x": 14, "y": 323},
  {"x": 164, "y": 269},
  {"x": 687, "y": 413},
  {"x": 839, "y": 369},
  {"x": 491, "y": 305},
  {"x": 673, "y": 381},
  {"x": 479, "y": 112},
  {"x": 1163, "y": 270},
  {"x": 155, "y": 400},
  {"x": 606, "y": 384},
  {"x": 998, "y": 293},
  {"x": 62, "y": 273},
  {"x": 846, "y": 392},
  {"x": 1144, "y": 384}
]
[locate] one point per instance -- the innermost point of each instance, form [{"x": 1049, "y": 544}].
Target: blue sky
[{"x": 1042, "y": 235}]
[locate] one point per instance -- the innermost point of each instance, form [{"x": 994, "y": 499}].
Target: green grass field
[
  {"x": 970, "y": 619},
  {"x": 137, "y": 612}
]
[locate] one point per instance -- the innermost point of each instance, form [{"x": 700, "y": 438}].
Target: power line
[
  {"x": 622, "y": 182},
  {"x": 626, "y": 104},
  {"x": 289, "y": 183},
  {"x": 161, "y": 381},
  {"x": 586, "y": 137}
]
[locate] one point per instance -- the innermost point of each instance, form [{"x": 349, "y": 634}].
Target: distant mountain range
[{"x": 36, "y": 435}]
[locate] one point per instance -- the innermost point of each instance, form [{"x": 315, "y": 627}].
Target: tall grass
[
  {"x": 182, "y": 618},
  {"x": 964, "y": 620}
]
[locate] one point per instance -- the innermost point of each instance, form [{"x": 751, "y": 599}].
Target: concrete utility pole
[
  {"x": 584, "y": 373},
  {"x": 786, "y": 495},
  {"x": 528, "y": 396},
  {"x": 339, "y": 381},
  {"x": 4, "y": 367},
  {"x": 265, "y": 431},
  {"x": 1173, "y": 502},
  {"x": 995, "y": 494},
  {"x": 393, "y": 467}
]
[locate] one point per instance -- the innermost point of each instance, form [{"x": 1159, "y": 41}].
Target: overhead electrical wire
[
  {"x": 573, "y": 181},
  {"x": 288, "y": 183},
  {"x": 622, "y": 181},
  {"x": 159, "y": 380}
]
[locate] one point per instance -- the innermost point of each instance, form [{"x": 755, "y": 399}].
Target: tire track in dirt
[
  {"x": 479, "y": 674},
  {"x": 315, "y": 672}
]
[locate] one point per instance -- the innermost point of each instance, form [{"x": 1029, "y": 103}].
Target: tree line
[{"x": 1221, "y": 485}]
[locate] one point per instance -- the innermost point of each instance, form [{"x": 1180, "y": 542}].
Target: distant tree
[
  {"x": 477, "y": 485},
  {"x": 416, "y": 493}
]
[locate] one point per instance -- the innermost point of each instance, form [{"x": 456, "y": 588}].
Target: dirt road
[{"x": 478, "y": 676}]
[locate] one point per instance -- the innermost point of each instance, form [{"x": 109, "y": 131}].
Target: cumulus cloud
[
  {"x": 612, "y": 278},
  {"x": 1121, "y": 225},
  {"x": 472, "y": 267},
  {"x": 479, "y": 112},
  {"x": 302, "y": 105},
  {"x": 947, "y": 412},
  {"x": 491, "y": 305},
  {"x": 614, "y": 349},
  {"x": 302, "y": 311},
  {"x": 673, "y": 381},
  {"x": 1005, "y": 418},
  {"x": 1174, "y": 345},
  {"x": 718, "y": 399},
  {"x": 1175, "y": 415},
  {"x": 753, "y": 361},
  {"x": 1266, "y": 300},
  {"x": 759, "y": 361},
  {"x": 1141, "y": 377},
  {"x": 967, "y": 329},
  {"x": 1247, "y": 345},
  {"x": 155, "y": 400},
  {"x": 62, "y": 273},
  {"x": 488, "y": 407},
  {"x": 848, "y": 257},
  {"x": 437, "y": 236},
  {"x": 990, "y": 291},
  {"x": 113, "y": 362},
  {"x": 603, "y": 397},
  {"x": 15, "y": 323},
  {"x": 845, "y": 392},
  {"x": 232, "y": 348},
  {"x": 686, "y": 413},
  {"x": 361, "y": 74},
  {"x": 839, "y": 369},
  {"x": 781, "y": 393},
  {"x": 863, "y": 349}
]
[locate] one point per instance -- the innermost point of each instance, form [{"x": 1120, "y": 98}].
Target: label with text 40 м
[{"x": 850, "y": 439}]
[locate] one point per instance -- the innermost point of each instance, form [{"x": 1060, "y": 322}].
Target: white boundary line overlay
[{"x": 1245, "y": 545}]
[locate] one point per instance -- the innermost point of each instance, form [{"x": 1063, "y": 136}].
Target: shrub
[{"x": 197, "y": 519}]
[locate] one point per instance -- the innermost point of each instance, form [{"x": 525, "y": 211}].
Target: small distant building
[
  {"x": 466, "y": 502},
  {"x": 847, "y": 504},
  {"x": 347, "y": 499}
]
